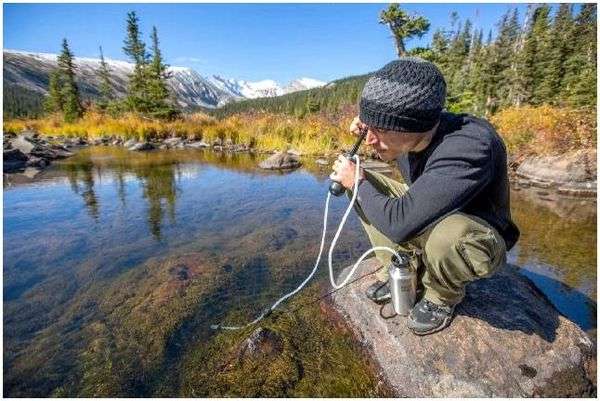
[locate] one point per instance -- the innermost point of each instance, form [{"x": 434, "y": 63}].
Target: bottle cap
[{"x": 403, "y": 262}]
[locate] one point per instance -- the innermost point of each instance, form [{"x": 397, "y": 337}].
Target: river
[{"x": 116, "y": 263}]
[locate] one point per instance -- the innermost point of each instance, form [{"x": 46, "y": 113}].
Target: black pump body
[{"x": 335, "y": 188}]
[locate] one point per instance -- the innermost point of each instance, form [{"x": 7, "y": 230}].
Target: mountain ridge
[{"x": 30, "y": 70}]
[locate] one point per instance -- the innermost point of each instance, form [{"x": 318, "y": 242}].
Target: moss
[{"x": 317, "y": 361}]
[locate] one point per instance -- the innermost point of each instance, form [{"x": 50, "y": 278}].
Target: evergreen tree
[
  {"x": 106, "y": 90},
  {"x": 54, "y": 100},
  {"x": 70, "y": 92},
  {"x": 580, "y": 68},
  {"x": 137, "y": 92},
  {"x": 157, "y": 82},
  {"x": 561, "y": 47},
  {"x": 539, "y": 49},
  {"x": 403, "y": 26}
]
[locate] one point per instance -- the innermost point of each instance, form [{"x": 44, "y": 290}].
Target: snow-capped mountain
[
  {"x": 265, "y": 88},
  {"x": 31, "y": 71}
]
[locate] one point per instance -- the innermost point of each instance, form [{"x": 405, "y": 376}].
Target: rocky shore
[
  {"x": 506, "y": 340},
  {"x": 573, "y": 174}
]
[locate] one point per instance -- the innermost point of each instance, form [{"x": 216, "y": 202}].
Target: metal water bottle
[{"x": 403, "y": 285}]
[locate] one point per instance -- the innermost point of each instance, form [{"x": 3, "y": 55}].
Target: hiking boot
[
  {"x": 379, "y": 292},
  {"x": 427, "y": 317}
]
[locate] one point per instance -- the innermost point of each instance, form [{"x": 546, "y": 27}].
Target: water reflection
[{"x": 116, "y": 262}]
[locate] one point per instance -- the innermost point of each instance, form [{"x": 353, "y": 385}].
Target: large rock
[
  {"x": 173, "y": 141},
  {"x": 129, "y": 143},
  {"x": 142, "y": 146},
  {"x": 281, "y": 161},
  {"x": 14, "y": 160},
  {"x": 568, "y": 168},
  {"x": 23, "y": 143},
  {"x": 197, "y": 145},
  {"x": 506, "y": 340}
]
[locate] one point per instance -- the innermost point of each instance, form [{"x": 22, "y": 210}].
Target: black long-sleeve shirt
[{"x": 463, "y": 169}]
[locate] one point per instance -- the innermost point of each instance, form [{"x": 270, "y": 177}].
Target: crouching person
[{"x": 452, "y": 213}]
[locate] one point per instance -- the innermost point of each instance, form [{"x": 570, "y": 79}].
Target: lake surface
[{"x": 116, "y": 263}]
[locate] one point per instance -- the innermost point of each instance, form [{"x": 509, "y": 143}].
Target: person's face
[{"x": 390, "y": 144}]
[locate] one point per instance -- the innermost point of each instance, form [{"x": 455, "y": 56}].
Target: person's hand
[
  {"x": 343, "y": 172},
  {"x": 356, "y": 125}
]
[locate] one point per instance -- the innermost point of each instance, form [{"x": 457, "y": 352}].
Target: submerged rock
[
  {"x": 281, "y": 161},
  {"x": 262, "y": 342},
  {"x": 506, "y": 340}
]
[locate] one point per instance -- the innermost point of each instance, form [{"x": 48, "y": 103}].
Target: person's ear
[{"x": 371, "y": 138}]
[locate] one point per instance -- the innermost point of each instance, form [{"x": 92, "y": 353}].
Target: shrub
[{"x": 546, "y": 129}]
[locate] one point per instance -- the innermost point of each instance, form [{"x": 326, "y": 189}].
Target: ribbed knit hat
[{"x": 406, "y": 95}]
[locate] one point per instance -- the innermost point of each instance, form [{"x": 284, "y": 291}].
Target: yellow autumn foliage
[
  {"x": 310, "y": 135},
  {"x": 545, "y": 129}
]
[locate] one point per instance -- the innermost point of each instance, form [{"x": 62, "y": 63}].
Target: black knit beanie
[{"x": 406, "y": 95}]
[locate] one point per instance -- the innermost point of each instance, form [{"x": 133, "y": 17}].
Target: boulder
[
  {"x": 142, "y": 146},
  {"x": 129, "y": 143},
  {"x": 197, "y": 145},
  {"x": 281, "y": 161},
  {"x": 506, "y": 340},
  {"x": 36, "y": 162},
  {"x": 30, "y": 135},
  {"x": 49, "y": 153},
  {"x": 22, "y": 143},
  {"x": 571, "y": 167},
  {"x": 173, "y": 141},
  {"x": 14, "y": 160}
]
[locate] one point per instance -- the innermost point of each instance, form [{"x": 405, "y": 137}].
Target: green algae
[{"x": 317, "y": 360}]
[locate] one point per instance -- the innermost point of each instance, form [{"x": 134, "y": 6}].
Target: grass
[
  {"x": 262, "y": 131},
  {"x": 528, "y": 130}
]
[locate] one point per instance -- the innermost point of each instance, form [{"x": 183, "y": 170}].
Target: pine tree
[
  {"x": 54, "y": 100},
  {"x": 70, "y": 92},
  {"x": 403, "y": 26},
  {"x": 580, "y": 68},
  {"x": 158, "y": 75},
  {"x": 106, "y": 91},
  {"x": 561, "y": 47},
  {"x": 539, "y": 57},
  {"x": 137, "y": 91}
]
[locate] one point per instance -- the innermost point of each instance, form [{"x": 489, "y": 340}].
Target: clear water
[{"x": 118, "y": 262}]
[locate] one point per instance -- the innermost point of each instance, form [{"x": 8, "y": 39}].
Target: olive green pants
[{"x": 456, "y": 250}]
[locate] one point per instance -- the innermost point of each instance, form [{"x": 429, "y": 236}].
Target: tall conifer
[{"x": 70, "y": 92}]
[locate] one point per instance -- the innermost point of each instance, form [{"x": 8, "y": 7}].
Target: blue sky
[{"x": 243, "y": 41}]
